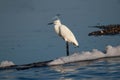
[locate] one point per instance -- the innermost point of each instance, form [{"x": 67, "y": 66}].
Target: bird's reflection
[
  {"x": 73, "y": 67},
  {"x": 69, "y": 71}
]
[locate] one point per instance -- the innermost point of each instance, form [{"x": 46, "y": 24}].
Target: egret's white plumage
[{"x": 64, "y": 32}]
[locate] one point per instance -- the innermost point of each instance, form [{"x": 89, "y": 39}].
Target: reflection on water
[
  {"x": 72, "y": 67},
  {"x": 106, "y": 67}
]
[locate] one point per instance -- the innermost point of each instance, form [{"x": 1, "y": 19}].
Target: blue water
[
  {"x": 90, "y": 70},
  {"x": 25, "y": 36}
]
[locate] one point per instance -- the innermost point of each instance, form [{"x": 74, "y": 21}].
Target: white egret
[{"x": 64, "y": 32}]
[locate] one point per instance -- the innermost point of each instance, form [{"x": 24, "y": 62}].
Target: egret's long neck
[{"x": 57, "y": 26}]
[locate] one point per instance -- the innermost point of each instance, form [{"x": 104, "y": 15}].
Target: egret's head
[{"x": 56, "y": 22}]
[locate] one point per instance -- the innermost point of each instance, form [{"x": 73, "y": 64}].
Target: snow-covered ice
[{"x": 87, "y": 55}]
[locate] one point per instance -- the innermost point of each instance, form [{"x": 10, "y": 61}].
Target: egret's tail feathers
[{"x": 76, "y": 44}]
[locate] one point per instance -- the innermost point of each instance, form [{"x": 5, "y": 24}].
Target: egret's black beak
[{"x": 50, "y": 23}]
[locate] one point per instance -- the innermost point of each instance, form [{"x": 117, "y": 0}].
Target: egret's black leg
[{"x": 67, "y": 48}]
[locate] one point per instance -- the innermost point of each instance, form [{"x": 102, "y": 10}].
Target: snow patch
[
  {"x": 87, "y": 55},
  {"x": 6, "y": 63}
]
